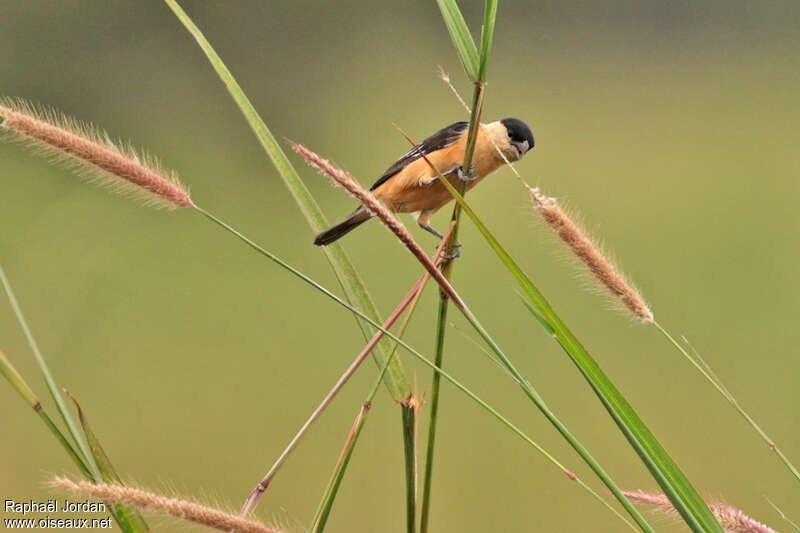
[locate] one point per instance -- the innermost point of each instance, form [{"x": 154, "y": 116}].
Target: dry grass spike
[
  {"x": 90, "y": 152},
  {"x": 185, "y": 510},
  {"x": 590, "y": 255},
  {"x": 357, "y": 191},
  {"x": 731, "y": 519}
]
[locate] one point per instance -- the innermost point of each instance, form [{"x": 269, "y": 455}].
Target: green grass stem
[
  {"x": 18, "y": 384},
  {"x": 712, "y": 378},
  {"x": 526, "y": 386},
  {"x": 55, "y": 392},
  {"x": 441, "y": 325},
  {"x": 326, "y": 504},
  {"x": 354, "y": 289},
  {"x": 349, "y": 279},
  {"x": 663, "y": 468},
  {"x": 783, "y": 515},
  {"x": 128, "y": 519},
  {"x": 269, "y": 255}
]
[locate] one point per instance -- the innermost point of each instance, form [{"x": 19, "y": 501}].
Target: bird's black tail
[{"x": 356, "y": 218}]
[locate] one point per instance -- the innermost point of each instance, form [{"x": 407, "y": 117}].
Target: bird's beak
[{"x": 521, "y": 148}]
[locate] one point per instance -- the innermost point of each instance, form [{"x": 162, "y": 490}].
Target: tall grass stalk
[
  {"x": 660, "y": 464},
  {"x": 416, "y": 354},
  {"x": 91, "y": 460},
  {"x": 434, "y": 416},
  {"x": 685, "y": 498},
  {"x": 55, "y": 392},
  {"x": 18, "y": 384},
  {"x": 409, "y": 300},
  {"x": 332, "y": 489},
  {"x": 381, "y": 212},
  {"x": 525, "y": 385},
  {"x": 432, "y": 270},
  {"x": 441, "y": 323},
  {"x": 324, "y": 508},
  {"x": 464, "y": 45},
  {"x": 609, "y": 276},
  {"x": 349, "y": 279}
]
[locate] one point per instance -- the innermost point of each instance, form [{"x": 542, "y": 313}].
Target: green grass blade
[
  {"x": 18, "y": 384},
  {"x": 348, "y": 277},
  {"x": 283, "y": 264},
  {"x": 51, "y": 384},
  {"x": 326, "y": 504},
  {"x": 462, "y": 39},
  {"x": 537, "y": 315},
  {"x": 128, "y": 518},
  {"x": 130, "y": 521},
  {"x": 444, "y": 301},
  {"x": 455, "y": 23},
  {"x": 528, "y": 388},
  {"x": 487, "y": 36},
  {"x": 705, "y": 370},
  {"x": 663, "y": 468}
]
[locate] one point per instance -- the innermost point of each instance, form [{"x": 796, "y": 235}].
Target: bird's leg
[
  {"x": 423, "y": 220},
  {"x": 428, "y": 228},
  {"x": 470, "y": 176}
]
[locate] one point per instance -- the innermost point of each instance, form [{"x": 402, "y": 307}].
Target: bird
[{"x": 410, "y": 185}]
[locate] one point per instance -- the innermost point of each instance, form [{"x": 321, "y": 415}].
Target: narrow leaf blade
[
  {"x": 127, "y": 517},
  {"x": 348, "y": 277},
  {"x": 487, "y": 36},
  {"x": 462, "y": 39},
  {"x": 665, "y": 471}
]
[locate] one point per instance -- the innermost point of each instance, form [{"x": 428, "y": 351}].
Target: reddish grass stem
[{"x": 258, "y": 491}]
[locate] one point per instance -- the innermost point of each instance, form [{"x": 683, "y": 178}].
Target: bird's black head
[{"x": 519, "y": 134}]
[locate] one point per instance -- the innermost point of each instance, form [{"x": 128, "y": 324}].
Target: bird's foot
[
  {"x": 469, "y": 176},
  {"x": 454, "y": 252}
]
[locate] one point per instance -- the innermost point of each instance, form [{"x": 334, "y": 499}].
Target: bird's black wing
[{"x": 437, "y": 141}]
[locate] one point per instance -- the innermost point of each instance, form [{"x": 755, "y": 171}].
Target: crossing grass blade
[
  {"x": 349, "y": 279},
  {"x": 662, "y": 467}
]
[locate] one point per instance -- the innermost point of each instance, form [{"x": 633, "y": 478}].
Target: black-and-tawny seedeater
[{"x": 411, "y": 186}]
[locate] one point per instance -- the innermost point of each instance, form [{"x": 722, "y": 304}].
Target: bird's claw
[
  {"x": 470, "y": 176},
  {"x": 455, "y": 252}
]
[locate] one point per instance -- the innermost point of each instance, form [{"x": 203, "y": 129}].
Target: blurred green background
[{"x": 670, "y": 127}]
